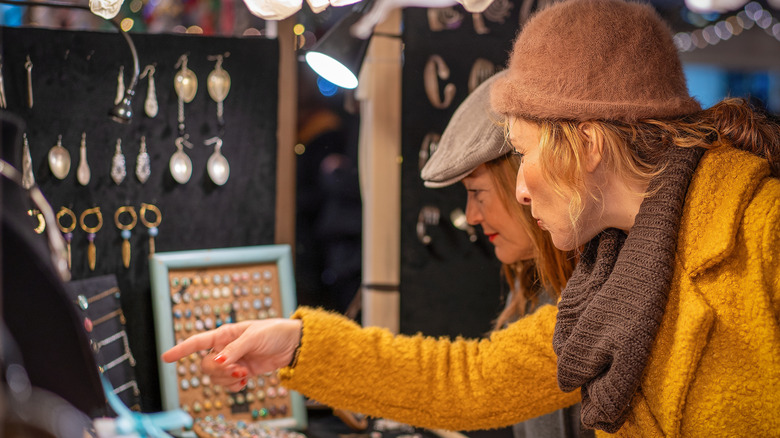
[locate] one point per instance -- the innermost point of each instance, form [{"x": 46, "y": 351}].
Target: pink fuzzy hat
[{"x": 594, "y": 60}]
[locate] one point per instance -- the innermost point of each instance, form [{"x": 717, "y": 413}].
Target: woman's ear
[{"x": 594, "y": 153}]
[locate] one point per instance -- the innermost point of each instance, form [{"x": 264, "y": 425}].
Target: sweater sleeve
[{"x": 427, "y": 382}]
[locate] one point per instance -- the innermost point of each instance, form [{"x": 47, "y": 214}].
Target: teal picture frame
[{"x": 160, "y": 264}]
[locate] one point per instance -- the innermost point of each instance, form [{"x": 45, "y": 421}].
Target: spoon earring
[
  {"x": 217, "y": 166},
  {"x": 218, "y": 85},
  {"x": 59, "y": 160},
  {"x": 150, "y": 104},
  {"x": 82, "y": 172},
  {"x": 180, "y": 163}
]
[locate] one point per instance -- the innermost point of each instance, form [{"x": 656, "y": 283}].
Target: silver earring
[
  {"x": 118, "y": 171},
  {"x": 143, "y": 167},
  {"x": 82, "y": 172},
  {"x": 28, "y": 178},
  {"x": 150, "y": 104}
]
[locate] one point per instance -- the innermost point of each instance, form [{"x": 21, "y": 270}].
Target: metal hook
[
  {"x": 150, "y": 69},
  {"x": 213, "y": 140},
  {"x": 182, "y": 141},
  {"x": 182, "y": 62}
]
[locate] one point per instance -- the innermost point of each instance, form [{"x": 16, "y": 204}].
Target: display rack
[{"x": 193, "y": 291}]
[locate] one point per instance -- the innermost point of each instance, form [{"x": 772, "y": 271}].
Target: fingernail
[
  {"x": 243, "y": 382},
  {"x": 236, "y": 374},
  {"x": 220, "y": 358}
]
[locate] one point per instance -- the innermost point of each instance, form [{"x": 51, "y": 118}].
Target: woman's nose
[
  {"x": 521, "y": 190},
  {"x": 473, "y": 215}
]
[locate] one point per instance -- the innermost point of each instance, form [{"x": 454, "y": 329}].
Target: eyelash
[{"x": 517, "y": 154}]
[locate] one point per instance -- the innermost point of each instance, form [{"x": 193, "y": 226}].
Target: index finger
[{"x": 195, "y": 343}]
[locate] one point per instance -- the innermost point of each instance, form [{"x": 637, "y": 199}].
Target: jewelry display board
[
  {"x": 195, "y": 291},
  {"x": 447, "y": 53},
  {"x": 113, "y": 223},
  {"x": 97, "y": 301}
]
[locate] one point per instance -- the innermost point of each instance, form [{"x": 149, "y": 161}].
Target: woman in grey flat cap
[{"x": 472, "y": 150}]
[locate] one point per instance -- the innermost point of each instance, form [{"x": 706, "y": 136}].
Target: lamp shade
[{"x": 338, "y": 55}]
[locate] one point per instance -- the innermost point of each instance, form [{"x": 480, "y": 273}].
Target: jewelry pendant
[
  {"x": 67, "y": 231},
  {"x": 185, "y": 82},
  {"x": 28, "y": 66},
  {"x": 218, "y": 85},
  {"x": 143, "y": 166},
  {"x": 150, "y": 104},
  {"x": 126, "y": 231},
  {"x": 151, "y": 225},
  {"x": 217, "y": 166},
  {"x": 91, "y": 234},
  {"x": 82, "y": 173},
  {"x": 28, "y": 178},
  {"x": 118, "y": 171},
  {"x": 120, "y": 85},
  {"x": 59, "y": 160},
  {"x": 180, "y": 164},
  {"x": 436, "y": 68}
]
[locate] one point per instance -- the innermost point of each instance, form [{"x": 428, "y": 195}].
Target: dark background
[
  {"x": 452, "y": 286},
  {"x": 75, "y": 79}
]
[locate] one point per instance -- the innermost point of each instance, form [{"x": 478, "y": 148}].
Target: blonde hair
[
  {"x": 634, "y": 152},
  {"x": 551, "y": 267}
]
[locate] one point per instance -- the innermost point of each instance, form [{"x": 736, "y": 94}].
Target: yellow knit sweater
[{"x": 715, "y": 366}]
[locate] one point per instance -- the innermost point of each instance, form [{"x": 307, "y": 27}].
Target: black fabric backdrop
[
  {"x": 451, "y": 287},
  {"x": 74, "y": 84}
]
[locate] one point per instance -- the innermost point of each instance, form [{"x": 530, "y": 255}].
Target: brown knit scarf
[{"x": 612, "y": 306}]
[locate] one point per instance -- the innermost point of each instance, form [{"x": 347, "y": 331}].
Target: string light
[{"x": 753, "y": 14}]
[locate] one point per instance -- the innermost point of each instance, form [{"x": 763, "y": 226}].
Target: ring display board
[{"x": 194, "y": 291}]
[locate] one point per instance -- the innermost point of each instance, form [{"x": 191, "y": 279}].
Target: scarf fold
[{"x": 612, "y": 306}]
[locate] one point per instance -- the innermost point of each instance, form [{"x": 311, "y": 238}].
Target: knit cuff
[{"x": 297, "y": 350}]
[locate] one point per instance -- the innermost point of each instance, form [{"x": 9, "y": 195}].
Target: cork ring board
[{"x": 194, "y": 291}]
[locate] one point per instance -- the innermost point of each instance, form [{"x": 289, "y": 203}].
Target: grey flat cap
[{"x": 472, "y": 137}]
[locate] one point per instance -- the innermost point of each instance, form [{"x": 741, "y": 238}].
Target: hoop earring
[
  {"x": 67, "y": 232},
  {"x": 91, "y": 232},
  {"x": 126, "y": 230},
  {"x": 152, "y": 226}
]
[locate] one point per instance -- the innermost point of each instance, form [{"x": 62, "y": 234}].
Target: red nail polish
[
  {"x": 243, "y": 382},
  {"x": 220, "y": 358},
  {"x": 236, "y": 374}
]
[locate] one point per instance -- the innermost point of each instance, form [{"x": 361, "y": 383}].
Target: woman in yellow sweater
[{"x": 669, "y": 324}]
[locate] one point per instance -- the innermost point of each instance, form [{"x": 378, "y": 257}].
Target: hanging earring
[
  {"x": 28, "y": 66},
  {"x": 180, "y": 163},
  {"x": 82, "y": 173},
  {"x": 59, "y": 159},
  {"x": 218, "y": 85},
  {"x": 185, "y": 83},
  {"x": 143, "y": 166},
  {"x": 28, "y": 179},
  {"x": 217, "y": 166},
  {"x": 126, "y": 231},
  {"x": 118, "y": 171},
  {"x": 91, "y": 234},
  {"x": 150, "y": 104},
  {"x": 67, "y": 231},
  {"x": 151, "y": 225},
  {"x": 120, "y": 85}
]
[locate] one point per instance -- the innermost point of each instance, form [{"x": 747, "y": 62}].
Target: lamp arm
[{"x": 65, "y": 5}]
